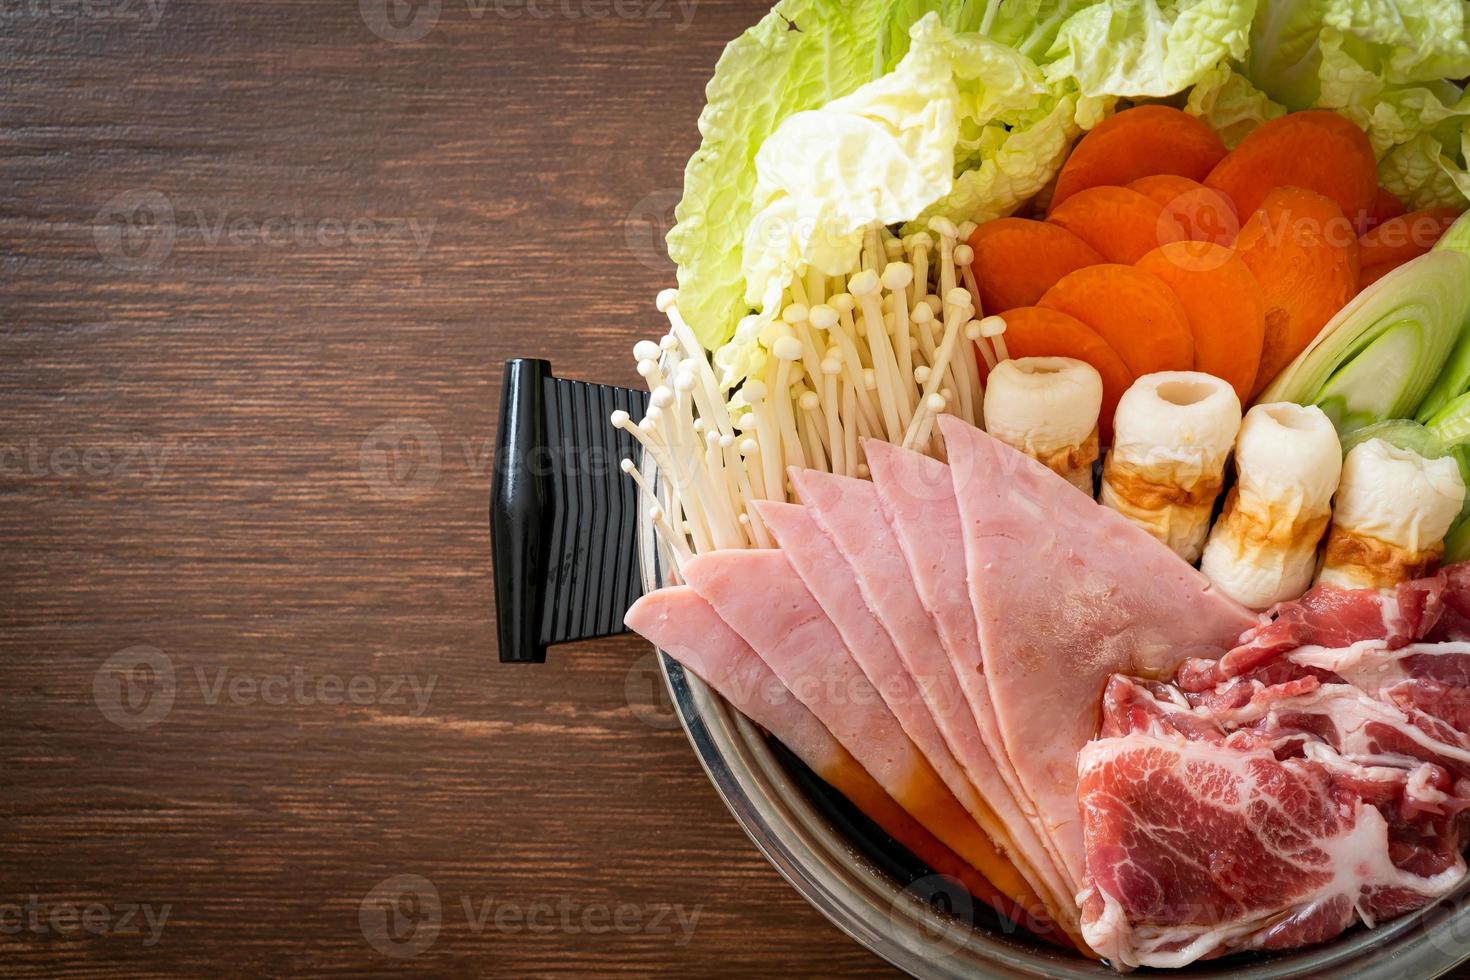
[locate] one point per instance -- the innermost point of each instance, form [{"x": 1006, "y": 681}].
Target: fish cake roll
[
  {"x": 1172, "y": 433},
  {"x": 1390, "y": 516},
  {"x": 1263, "y": 549},
  {"x": 1048, "y": 407}
]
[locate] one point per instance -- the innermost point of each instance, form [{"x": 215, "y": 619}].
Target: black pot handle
[{"x": 563, "y": 515}]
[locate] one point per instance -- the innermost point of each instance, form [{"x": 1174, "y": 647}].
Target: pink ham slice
[
  {"x": 760, "y": 596},
  {"x": 829, "y": 578},
  {"x": 683, "y": 625},
  {"x": 1067, "y": 593},
  {"x": 917, "y": 500}
]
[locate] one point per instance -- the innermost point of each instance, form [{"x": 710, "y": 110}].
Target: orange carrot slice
[
  {"x": 1385, "y": 206},
  {"x": 1301, "y": 249},
  {"x": 1316, "y": 149},
  {"x": 1134, "y": 311},
  {"x": 1373, "y": 273},
  {"x": 1150, "y": 139},
  {"x": 1032, "y": 331},
  {"x": 1016, "y": 260},
  {"x": 1204, "y": 215},
  {"x": 1227, "y": 313},
  {"x": 1406, "y": 237},
  {"x": 1122, "y": 225}
]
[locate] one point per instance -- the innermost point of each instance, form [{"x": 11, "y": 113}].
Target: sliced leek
[{"x": 1379, "y": 356}]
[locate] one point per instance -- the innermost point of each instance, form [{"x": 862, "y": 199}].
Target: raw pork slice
[
  {"x": 1067, "y": 593},
  {"x": 1430, "y": 677},
  {"x": 1328, "y": 617},
  {"x": 760, "y": 596},
  {"x": 1196, "y": 849},
  {"x": 683, "y": 625},
  {"x": 917, "y": 500}
]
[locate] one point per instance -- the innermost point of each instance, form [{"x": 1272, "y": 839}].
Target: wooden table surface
[{"x": 261, "y": 264}]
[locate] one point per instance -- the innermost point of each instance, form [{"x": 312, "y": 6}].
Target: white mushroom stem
[
  {"x": 836, "y": 437},
  {"x": 947, "y": 233},
  {"x": 669, "y": 464},
  {"x": 852, "y": 358},
  {"x": 1263, "y": 549},
  {"x": 968, "y": 347},
  {"x": 699, "y": 474},
  {"x": 850, "y": 432},
  {"x": 1391, "y": 513},
  {"x": 676, "y": 542},
  {"x": 707, "y": 394},
  {"x": 921, "y": 243},
  {"x": 768, "y": 441},
  {"x": 896, "y": 279},
  {"x": 875, "y": 352},
  {"x": 993, "y": 329},
  {"x": 964, "y": 255},
  {"x": 1171, "y": 435},
  {"x": 1048, "y": 407},
  {"x": 864, "y": 287},
  {"x": 816, "y": 456},
  {"x": 957, "y": 305},
  {"x": 954, "y": 323},
  {"x": 786, "y": 350}
]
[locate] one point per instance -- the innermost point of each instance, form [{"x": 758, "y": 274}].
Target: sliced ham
[
  {"x": 759, "y": 595},
  {"x": 1066, "y": 593},
  {"x": 916, "y": 498},
  {"x": 684, "y": 626},
  {"x": 830, "y": 579}
]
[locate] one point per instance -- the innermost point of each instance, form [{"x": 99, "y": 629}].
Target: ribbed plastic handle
[
  {"x": 518, "y": 511},
  {"x": 563, "y": 515}
]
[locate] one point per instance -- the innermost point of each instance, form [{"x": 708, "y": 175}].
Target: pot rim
[{"x": 847, "y": 887}]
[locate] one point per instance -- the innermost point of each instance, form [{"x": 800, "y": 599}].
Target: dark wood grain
[
  {"x": 266, "y": 364},
  {"x": 216, "y": 323}
]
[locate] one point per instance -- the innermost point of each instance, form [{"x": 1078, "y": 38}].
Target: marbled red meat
[
  {"x": 1197, "y": 848},
  {"x": 1317, "y": 775}
]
